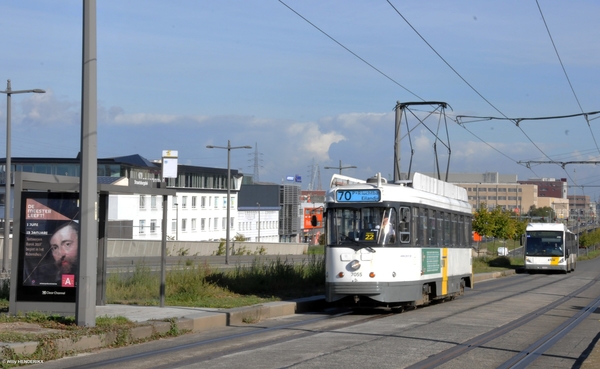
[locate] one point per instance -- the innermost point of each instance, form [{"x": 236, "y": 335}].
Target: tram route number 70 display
[{"x": 358, "y": 195}]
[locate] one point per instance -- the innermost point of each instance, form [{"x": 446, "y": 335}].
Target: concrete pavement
[{"x": 154, "y": 320}]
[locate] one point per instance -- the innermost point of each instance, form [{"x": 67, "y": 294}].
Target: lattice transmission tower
[
  {"x": 315, "y": 177},
  {"x": 257, "y": 160}
]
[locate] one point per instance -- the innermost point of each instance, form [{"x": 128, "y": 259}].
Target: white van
[{"x": 502, "y": 251}]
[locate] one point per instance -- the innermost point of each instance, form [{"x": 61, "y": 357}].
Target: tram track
[
  {"x": 271, "y": 335},
  {"x": 521, "y": 360},
  {"x": 531, "y": 353},
  {"x": 354, "y": 331},
  {"x": 526, "y": 356}
]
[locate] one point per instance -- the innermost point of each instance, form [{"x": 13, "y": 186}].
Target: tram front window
[
  {"x": 544, "y": 243},
  {"x": 372, "y": 226}
]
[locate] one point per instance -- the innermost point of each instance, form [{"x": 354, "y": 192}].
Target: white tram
[
  {"x": 394, "y": 245},
  {"x": 550, "y": 246}
]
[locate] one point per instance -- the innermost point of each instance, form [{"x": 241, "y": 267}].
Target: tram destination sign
[{"x": 358, "y": 195}]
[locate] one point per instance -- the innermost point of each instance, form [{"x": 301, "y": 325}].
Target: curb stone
[{"x": 146, "y": 330}]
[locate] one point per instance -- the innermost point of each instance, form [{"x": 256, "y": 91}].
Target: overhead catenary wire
[
  {"x": 350, "y": 51},
  {"x": 516, "y": 122},
  {"x": 565, "y": 72}
]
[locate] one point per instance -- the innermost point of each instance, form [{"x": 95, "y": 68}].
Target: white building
[{"x": 200, "y": 213}]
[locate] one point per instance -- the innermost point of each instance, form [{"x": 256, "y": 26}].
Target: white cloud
[{"x": 311, "y": 141}]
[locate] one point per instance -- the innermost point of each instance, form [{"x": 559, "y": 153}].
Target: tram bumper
[{"x": 383, "y": 292}]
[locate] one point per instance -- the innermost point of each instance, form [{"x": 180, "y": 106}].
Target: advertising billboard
[{"x": 48, "y": 247}]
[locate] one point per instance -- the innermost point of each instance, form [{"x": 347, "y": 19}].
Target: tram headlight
[
  {"x": 528, "y": 260},
  {"x": 355, "y": 264}
]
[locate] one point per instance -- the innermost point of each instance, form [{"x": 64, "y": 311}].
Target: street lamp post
[
  {"x": 340, "y": 167},
  {"x": 7, "y": 174},
  {"x": 258, "y": 203},
  {"x": 228, "y": 223}
]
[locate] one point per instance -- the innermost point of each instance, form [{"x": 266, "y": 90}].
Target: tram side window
[
  {"x": 422, "y": 227},
  {"x": 404, "y": 225},
  {"x": 387, "y": 232},
  {"x": 432, "y": 234},
  {"x": 440, "y": 227},
  {"x": 447, "y": 231},
  {"x": 468, "y": 231},
  {"x": 454, "y": 228},
  {"x": 461, "y": 230}
]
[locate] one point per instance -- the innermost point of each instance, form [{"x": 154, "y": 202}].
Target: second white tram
[
  {"x": 400, "y": 244},
  {"x": 550, "y": 246}
]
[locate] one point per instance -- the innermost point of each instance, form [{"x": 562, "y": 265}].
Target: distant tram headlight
[{"x": 355, "y": 265}]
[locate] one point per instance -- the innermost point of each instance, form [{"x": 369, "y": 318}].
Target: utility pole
[{"x": 341, "y": 167}]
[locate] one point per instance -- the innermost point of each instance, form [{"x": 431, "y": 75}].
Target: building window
[
  {"x": 203, "y": 224},
  {"x": 183, "y": 225},
  {"x": 153, "y": 226},
  {"x": 184, "y": 202},
  {"x": 175, "y": 202},
  {"x": 142, "y": 202},
  {"x": 203, "y": 202},
  {"x": 174, "y": 225},
  {"x": 216, "y": 202},
  {"x": 193, "y": 224},
  {"x": 224, "y": 223},
  {"x": 193, "y": 202},
  {"x": 216, "y": 223},
  {"x": 153, "y": 202},
  {"x": 142, "y": 225}
]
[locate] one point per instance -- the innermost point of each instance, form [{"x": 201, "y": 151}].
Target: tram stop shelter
[{"x": 44, "y": 203}]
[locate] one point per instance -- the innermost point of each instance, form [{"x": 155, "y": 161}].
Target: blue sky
[{"x": 184, "y": 74}]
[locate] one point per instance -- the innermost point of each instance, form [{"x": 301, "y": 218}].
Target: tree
[
  {"x": 546, "y": 212},
  {"x": 482, "y": 221},
  {"x": 498, "y": 223}
]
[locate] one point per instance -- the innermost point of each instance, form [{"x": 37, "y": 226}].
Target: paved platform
[{"x": 146, "y": 313}]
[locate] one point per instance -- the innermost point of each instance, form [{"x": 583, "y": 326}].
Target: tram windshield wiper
[{"x": 348, "y": 238}]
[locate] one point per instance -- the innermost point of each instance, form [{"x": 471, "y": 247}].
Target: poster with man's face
[{"x": 49, "y": 246}]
